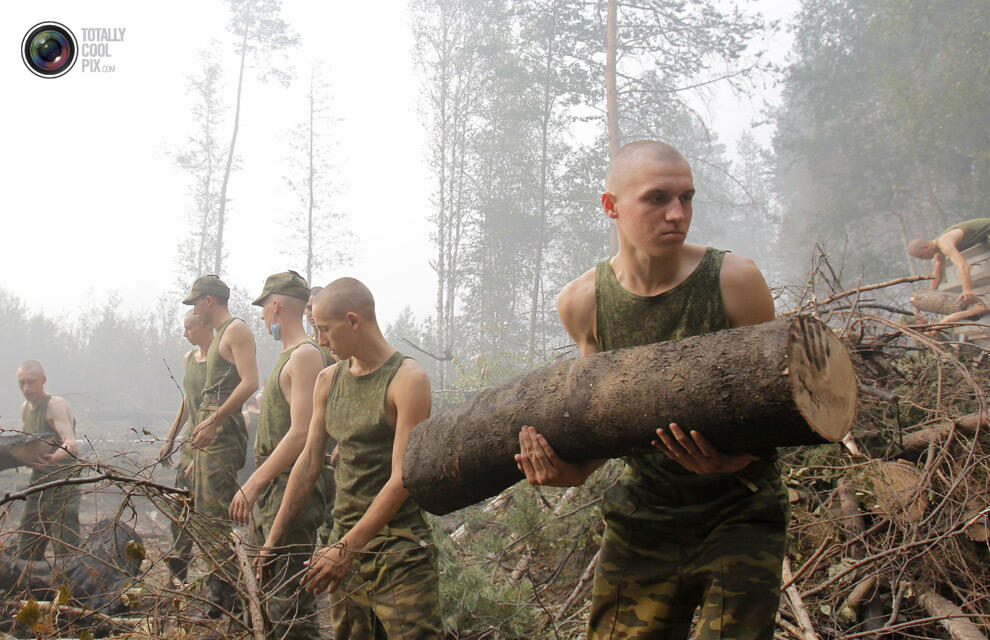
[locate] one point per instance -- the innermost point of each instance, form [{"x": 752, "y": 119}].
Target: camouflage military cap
[
  {"x": 207, "y": 286},
  {"x": 288, "y": 283}
]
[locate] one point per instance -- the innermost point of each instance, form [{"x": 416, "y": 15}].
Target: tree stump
[{"x": 781, "y": 383}]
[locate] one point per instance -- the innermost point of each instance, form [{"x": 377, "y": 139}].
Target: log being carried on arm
[
  {"x": 782, "y": 383},
  {"x": 933, "y": 301}
]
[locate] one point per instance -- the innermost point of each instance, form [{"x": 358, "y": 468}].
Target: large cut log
[
  {"x": 786, "y": 382},
  {"x": 18, "y": 449},
  {"x": 934, "y": 301}
]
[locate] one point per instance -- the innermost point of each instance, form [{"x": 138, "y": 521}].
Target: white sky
[{"x": 90, "y": 198}]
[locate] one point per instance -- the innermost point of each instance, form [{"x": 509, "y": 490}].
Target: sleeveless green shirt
[
  {"x": 193, "y": 381},
  {"x": 624, "y": 319},
  {"x": 36, "y": 421},
  {"x": 356, "y": 419},
  {"x": 975, "y": 232},
  {"x": 275, "y": 411},
  {"x": 221, "y": 376}
]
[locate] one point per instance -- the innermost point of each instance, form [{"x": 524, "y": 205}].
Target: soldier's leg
[
  {"x": 215, "y": 483},
  {"x": 31, "y": 542},
  {"x": 182, "y": 542},
  {"x": 291, "y": 610},
  {"x": 638, "y": 592},
  {"x": 60, "y": 517},
  {"x": 740, "y": 566},
  {"x": 351, "y": 613},
  {"x": 406, "y": 592}
]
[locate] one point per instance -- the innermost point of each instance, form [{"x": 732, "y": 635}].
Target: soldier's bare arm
[
  {"x": 61, "y": 419},
  {"x": 947, "y": 245},
  {"x": 409, "y": 397},
  {"x": 307, "y": 469},
  {"x": 236, "y": 346},
  {"x": 164, "y": 454},
  {"x": 300, "y": 374},
  {"x": 938, "y": 271}
]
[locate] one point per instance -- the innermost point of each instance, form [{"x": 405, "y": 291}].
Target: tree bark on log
[
  {"x": 782, "y": 383},
  {"x": 968, "y": 424},
  {"x": 934, "y": 301},
  {"x": 959, "y": 626},
  {"x": 18, "y": 449}
]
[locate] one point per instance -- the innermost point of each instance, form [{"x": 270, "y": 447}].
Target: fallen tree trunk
[
  {"x": 968, "y": 424},
  {"x": 786, "y": 382},
  {"x": 955, "y": 621},
  {"x": 934, "y": 301},
  {"x": 19, "y": 449}
]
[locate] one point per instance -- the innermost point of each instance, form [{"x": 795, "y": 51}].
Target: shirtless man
[
  {"x": 951, "y": 243},
  {"x": 194, "y": 367},
  {"x": 219, "y": 439},
  {"x": 687, "y": 526},
  {"x": 52, "y": 513},
  {"x": 286, "y": 411},
  {"x": 381, "y": 561}
]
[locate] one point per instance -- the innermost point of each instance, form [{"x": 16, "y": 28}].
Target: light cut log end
[{"x": 822, "y": 379}]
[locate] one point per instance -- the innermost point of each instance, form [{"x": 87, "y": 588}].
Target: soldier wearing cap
[
  {"x": 286, "y": 411},
  {"x": 219, "y": 440}
]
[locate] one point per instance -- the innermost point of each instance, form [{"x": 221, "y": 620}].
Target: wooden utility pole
[{"x": 612, "y": 103}]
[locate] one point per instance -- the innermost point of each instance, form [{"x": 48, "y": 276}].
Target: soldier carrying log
[
  {"x": 194, "y": 377},
  {"x": 380, "y": 562},
  {"x": 286, "y": 411},
  {"x": 687, "y": 526},
  {"x": 52, "y": 514},
  {"x": 951, "y": 243},
  {"x": 219, "y": 439}
]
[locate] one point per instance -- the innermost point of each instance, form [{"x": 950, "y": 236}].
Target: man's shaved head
[
  {"x": 632, "y": 155},
  {"x": 343, "y": 296},
  {"x": 31, "y": 366},
  {"x": 289, "y": 303},
  {"x": 191, "y": 315}
]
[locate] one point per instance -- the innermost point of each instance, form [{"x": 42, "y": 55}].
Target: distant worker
[
  {"x": 193, "y": 379},
  {"x": 52, "y": 514},
  {"x": 286, "y": 411},
  {"x": 219, "y": 439},
  {"x": 951, "y": 243}
]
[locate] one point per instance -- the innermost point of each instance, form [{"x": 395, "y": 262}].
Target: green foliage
[{"x": 883, "y": 133}]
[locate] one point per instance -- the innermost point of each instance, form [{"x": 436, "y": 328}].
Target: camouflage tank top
[
  {"x": 624, "y": 319},
  {"x": 221, "y": 376},
  {"x": 356, "y": 419},
  {"x": 275, "y": 410},
  {"x": 193, "y": 381}
]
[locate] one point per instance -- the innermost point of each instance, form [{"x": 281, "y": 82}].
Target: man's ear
[
  {"x": 608, "y": 205},
  {"x": 353, "y": 319}
]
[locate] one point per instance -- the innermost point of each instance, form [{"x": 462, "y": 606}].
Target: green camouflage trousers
[
  {"x": 713, "y": 542},
  {"x": 215, "y": 483},
  {"x": 290, "y": 610},
  {"x": 392, "y": 592},
  {"x": 182, "y": 542},
  {"x": 52, "y": 514}
]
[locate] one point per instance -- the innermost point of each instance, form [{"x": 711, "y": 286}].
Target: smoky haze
[{"x": 458, "y": 178}]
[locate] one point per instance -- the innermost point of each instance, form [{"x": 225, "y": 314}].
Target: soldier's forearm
[
  {"x": 383, "y": 508},
  {"x": 238, "y": 398},
  {"x": 302, "y": 480}
]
